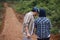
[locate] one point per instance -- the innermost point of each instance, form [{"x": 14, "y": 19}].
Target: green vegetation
[
  {"x": 52, "y": 8},
  {"x": 0, "y": 15}
]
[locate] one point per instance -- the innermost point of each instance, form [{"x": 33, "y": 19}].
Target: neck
[{"x": 33, "y": 13}]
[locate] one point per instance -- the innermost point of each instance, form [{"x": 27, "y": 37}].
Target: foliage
[
  {"x": 52, "y": 9},
  {"x": 55, "y": 30}
]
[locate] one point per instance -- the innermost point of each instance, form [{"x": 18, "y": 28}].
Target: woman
[{"x": 42, "y": 25}]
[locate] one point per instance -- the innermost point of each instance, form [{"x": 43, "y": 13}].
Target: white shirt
[{"x": 29, "y": 21}]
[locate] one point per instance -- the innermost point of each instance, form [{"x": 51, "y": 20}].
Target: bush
[{"x": 55, "y": 30}]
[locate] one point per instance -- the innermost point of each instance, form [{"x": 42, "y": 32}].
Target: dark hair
[
  {"x": 42, "y": 12},
  {"x": 35, "y": 9}
]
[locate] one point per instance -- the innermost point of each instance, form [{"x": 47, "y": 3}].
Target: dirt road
[{"x": 12, "y": 27}]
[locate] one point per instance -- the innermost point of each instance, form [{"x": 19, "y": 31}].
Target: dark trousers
[{"x": 43, "y": 39}]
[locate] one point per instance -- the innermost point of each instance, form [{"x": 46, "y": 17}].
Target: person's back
[{"x": 42, "y": 25}]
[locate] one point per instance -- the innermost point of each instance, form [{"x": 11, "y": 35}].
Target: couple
[{"x": 42, "y": 25}]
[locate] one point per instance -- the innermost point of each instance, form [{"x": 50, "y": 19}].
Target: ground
[{"x": 12, "y": 27}]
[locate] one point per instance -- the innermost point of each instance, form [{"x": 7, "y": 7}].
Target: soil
[{"x": 12, "y": 28}]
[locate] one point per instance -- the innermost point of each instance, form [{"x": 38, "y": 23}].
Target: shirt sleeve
[
  {"x": 35, "y": 24},
  {"x": 49, "y": 24},
  {"x": 27, "y": 19}
]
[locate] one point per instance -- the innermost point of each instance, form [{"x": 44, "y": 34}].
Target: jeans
[
  {"x": 25, "y": 37},
  {"x": 43, "y": 39}
]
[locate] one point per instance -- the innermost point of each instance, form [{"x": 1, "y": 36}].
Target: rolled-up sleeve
[{"x": 27, "y": 19}]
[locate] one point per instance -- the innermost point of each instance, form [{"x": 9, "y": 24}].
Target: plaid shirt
[{"x": 42, "y": 26}]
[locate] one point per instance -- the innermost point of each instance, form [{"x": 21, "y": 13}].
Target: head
[
  {"x": 42, "y": 12},
  {"x": 5, "y": 4},
  {"x": 35, "y": 11}
]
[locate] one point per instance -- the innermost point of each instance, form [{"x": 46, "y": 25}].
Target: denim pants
[
  {"x": 43, "y": 39},
  {"x": 25, "y": 37}
]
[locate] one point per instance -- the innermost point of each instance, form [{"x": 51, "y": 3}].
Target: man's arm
[
  {"x": 27, "y": 31},
  {"x": 26, "y": 22}
]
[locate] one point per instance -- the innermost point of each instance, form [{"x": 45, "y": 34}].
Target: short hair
[
  {"x": 42, "y": 12},
  {"x": 35, "y": 9}
]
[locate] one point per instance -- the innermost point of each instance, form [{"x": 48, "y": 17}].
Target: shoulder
[
  {"x": 29, "y": 14},
  {"x": 37, "y": 19},
  {"x": 47, "y": 19}
]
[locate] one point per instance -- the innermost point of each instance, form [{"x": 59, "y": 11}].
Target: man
[
  {"x": 42, "y": 25},
  {"x": 28, "y": 24}
]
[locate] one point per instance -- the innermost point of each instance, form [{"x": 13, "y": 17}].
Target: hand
[{"x": 28, "y": 36}]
